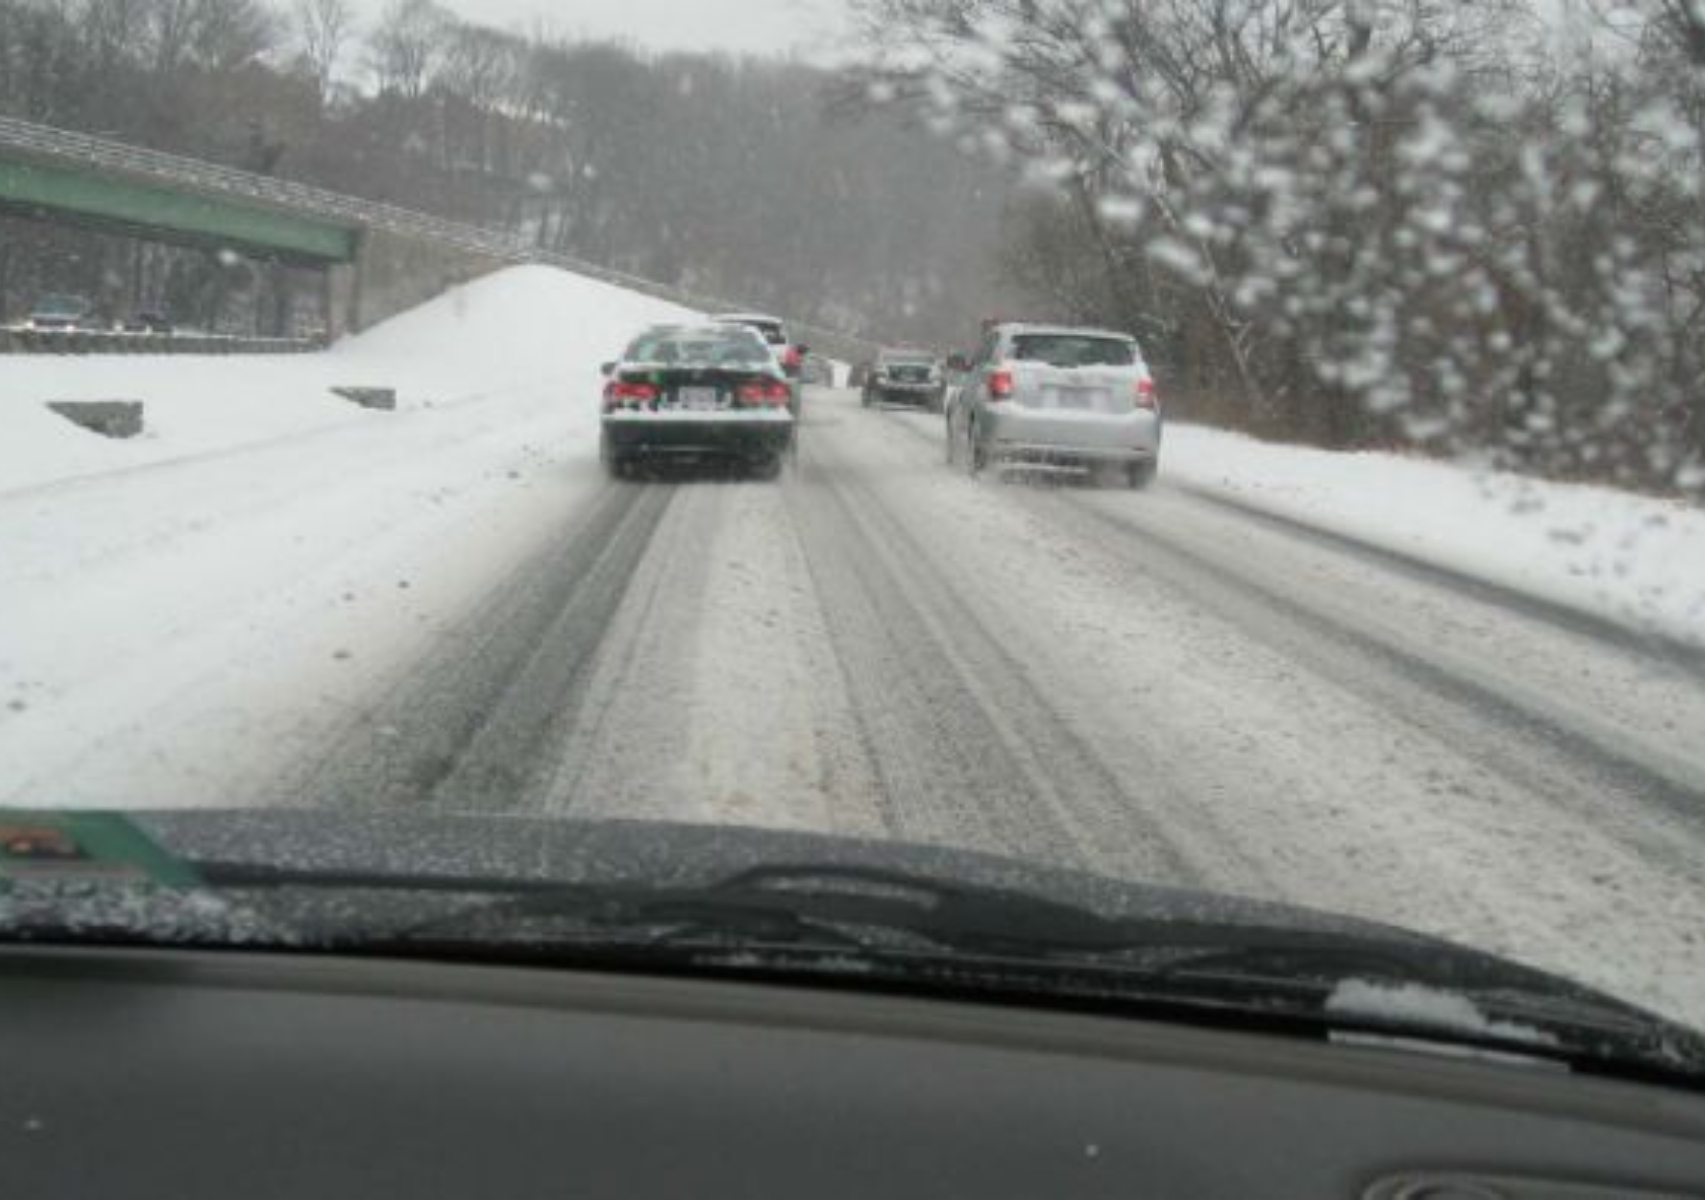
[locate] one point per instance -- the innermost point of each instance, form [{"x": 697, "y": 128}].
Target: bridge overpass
[{"x": 377, "y": 259}]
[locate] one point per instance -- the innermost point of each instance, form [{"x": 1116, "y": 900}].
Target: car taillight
[
  {"x": 623, "y": 393},
  {"x": 1001, "y": 385},
  {"x": 766, "y": 392},
  {"x": 1147, "y": 397}
]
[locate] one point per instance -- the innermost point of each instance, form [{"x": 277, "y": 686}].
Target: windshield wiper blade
[
  {"x": 904, "y": 921},
  {"x": 799, "y": 899}
]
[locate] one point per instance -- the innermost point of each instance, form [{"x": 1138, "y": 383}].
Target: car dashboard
[{"x": 189, "y": 1074}]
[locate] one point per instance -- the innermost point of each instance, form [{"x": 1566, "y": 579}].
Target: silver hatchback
[{"x": 1058, "y": 397}]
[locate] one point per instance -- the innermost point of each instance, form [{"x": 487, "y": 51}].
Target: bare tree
[
  {"x": 228, "y": 34},
  {"x": 324, "y": 29},
  {"x": 408, "y": 45},
  {"x": 213, "y": 34}
]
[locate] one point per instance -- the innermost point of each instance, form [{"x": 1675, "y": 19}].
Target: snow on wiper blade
[
  {"x": 894, "y": 929},
  {"x": 1375, "y": 980},
  {"x": 143, "y": 913}
]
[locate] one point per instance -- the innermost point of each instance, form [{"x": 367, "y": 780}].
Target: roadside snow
[
  {"x": 533, "y": 329},
  {"x": 1633, "y": 559},
  {"x": 182, "y": 612}
]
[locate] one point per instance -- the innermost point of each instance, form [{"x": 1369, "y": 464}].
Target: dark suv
[{"x": 906, "y": 377}]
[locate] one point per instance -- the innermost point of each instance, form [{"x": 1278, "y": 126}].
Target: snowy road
[
  {"x": 276, "y": 599},
  {"x": 1148, "y": 685}
]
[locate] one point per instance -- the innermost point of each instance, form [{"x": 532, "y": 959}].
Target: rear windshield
[
  {"x": 1073, "y": 350},
  {"x": 908, "y": 360},
  {"x": 700, "y": 348},
  {"x": 773, "y": 333}
]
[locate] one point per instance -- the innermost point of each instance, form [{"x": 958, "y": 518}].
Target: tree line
[
  {"x": 728, "y": 177},
  {"x": 1465, "y": 226}
]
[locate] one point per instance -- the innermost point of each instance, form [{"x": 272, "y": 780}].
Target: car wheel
[
  {"x": 976, "y": 457},
  {"x": 615, "y": 466},
  {"x": 1140, "y": 476},
  {"x": 768, "y": 470}
]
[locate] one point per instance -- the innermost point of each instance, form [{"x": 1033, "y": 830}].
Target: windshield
[
  {"x": 771, "y": 332},
  {"x": 1247, "y": 450},
  {"x": 699, "y": 348}
]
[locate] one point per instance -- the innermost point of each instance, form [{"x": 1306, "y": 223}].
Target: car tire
[
  {"x": 1140, "y": 476},
  {"x": 976, "y": 457},
  {"x": 615, "y": 466},
  {"x": 768, "y": 470}
]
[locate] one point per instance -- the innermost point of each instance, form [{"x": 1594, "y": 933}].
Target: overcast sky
[{"x": 749, "y": 26}]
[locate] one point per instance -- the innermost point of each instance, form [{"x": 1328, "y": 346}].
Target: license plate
[
  {"x": 1072, "y": 399},
  {"x": 699, "y": 399}
]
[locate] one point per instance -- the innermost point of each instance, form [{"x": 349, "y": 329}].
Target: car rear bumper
[
  {"x": 750, "y": 435},
  {"x": 1018, "y": 435}
]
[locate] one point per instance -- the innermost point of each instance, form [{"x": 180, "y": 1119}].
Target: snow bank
[
  {"x": 527, "y": 328},
  {"x": 182, "y": 612},
  {"x": 1633, "y": 559}
]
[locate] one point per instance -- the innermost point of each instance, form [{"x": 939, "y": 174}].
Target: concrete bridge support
[{"x": 392, "y": 274}]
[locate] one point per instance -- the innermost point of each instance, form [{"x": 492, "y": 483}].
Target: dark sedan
[
  {"x": 697, "y": 394},
  {"x": 913, "y": 377}
]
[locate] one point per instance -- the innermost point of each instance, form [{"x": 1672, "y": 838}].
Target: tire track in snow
[
  {"x": 1520, "y": 734},
  {"x": 472, "y": 726},
  {"x": 969, "y": 749},
  {"x": 717, "y": 698},
  {"x": 1419, "y": 745}
]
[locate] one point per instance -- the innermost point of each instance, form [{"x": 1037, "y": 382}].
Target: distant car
[
  {"x": 148, "y": 320},
  {"x": 62, "y": 313},
  {"x": 912, "y": 377},
  {"x": 775, "y": 333},
  {"x": 1058, "y": 397},
  {"x": 696, "y": 394}
]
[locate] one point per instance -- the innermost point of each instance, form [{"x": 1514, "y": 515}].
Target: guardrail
[
  {"x": 80, "y": 341},
  {"x": 80, "y": 149}
]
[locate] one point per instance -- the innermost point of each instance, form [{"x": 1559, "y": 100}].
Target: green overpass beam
[{"x": 172, "y": 214}]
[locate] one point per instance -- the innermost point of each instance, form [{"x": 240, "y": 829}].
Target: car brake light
[
  {"x": 1147, "y": 397},
  {"x": 768, "y": 391},
  {"x": 623, "y": 393},
  {"x": 1001, "y": 385}
]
